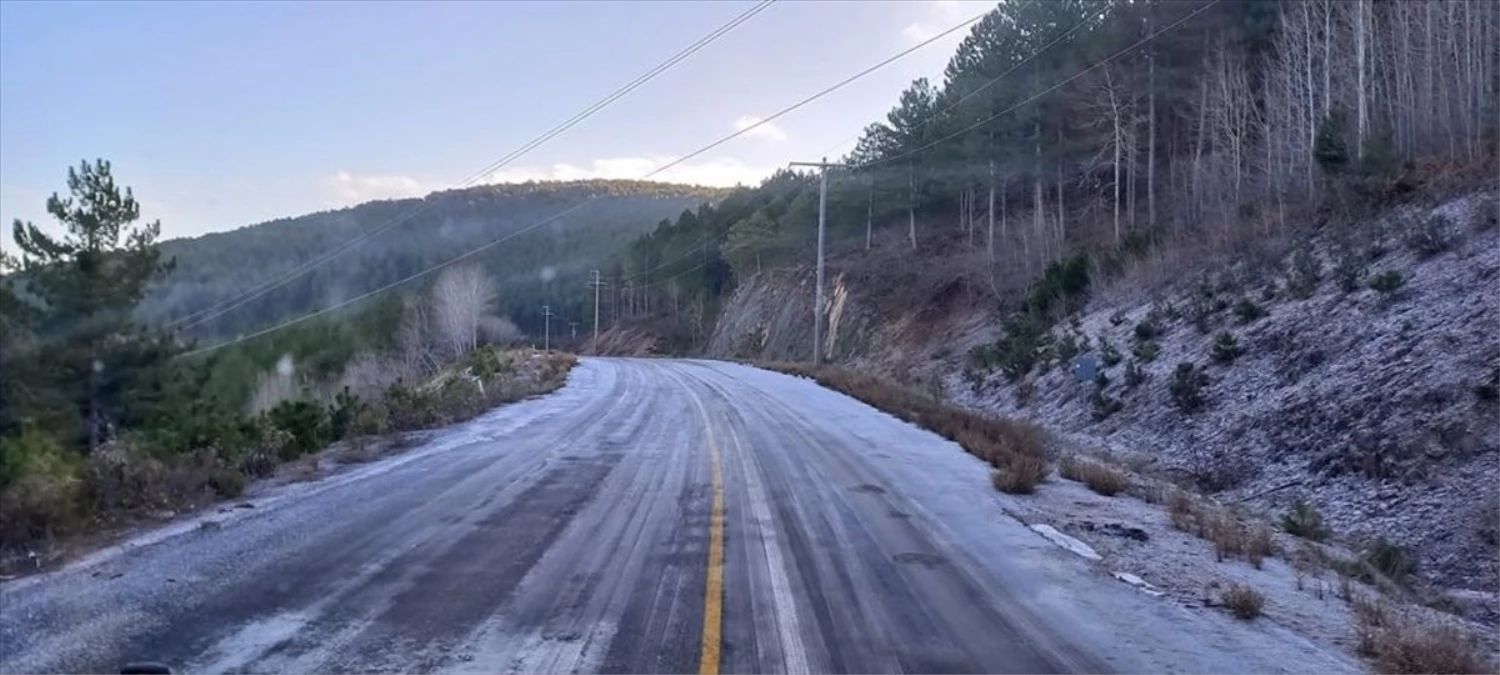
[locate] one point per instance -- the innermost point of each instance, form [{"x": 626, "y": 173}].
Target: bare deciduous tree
[{"x": 461, "y": 297}]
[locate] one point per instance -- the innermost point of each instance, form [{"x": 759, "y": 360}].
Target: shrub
[
  {"x": 1063, "y": 286},
  {"x": 343, "y": 413},
  {"x": 1247, "y": 311},
  {"x": 1392, "y": 560},
  {"x": 1104, "y": 405},
  {"x": 1349, "y": 270},
  {"x": 1304, "y": 520},
  {"x": 1020, "y": 476},
  {"x": 1226, "y": 348},
  {"x": 1186, "y": 387},
  {"x": 1244, "y": 602},
  {"x": 1201, "y": 312},
  {"x": 1117, "y": 319},
  {"x": 1429, "y": 236},
  {"x": 306, "y": 421},
  {"x": 1388, "y": 282},
  {"x": 1146, "y": 351},
  {"x": 1066, "y": 348},
  {"x": 1147, "y": 330},
  {"x": 40, "y": 491},
  {"x": 1306, "y": 273},
  {"x": 1403, "y": 650},
  {"x": 1099, "y": 477},
  {"x": 1108, "y": 355},
  {"x": 1023, "y": 339},
  {"x": 1134, "y": 375}
]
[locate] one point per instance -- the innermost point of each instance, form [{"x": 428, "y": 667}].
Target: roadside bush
[
  {"x": 1100, "y": 478},
  {"x": 41, "y": 494},
  {"x": 1387, "y": 282},
  {"x": 1244, "y": 602},
  {"x": 1414, "y": 650},
  {"x": 343, "y": 413},
  {"x": 1226, "y": 348},
  {"x": 306, "y": 421},
  {"x": 1247, "y": 311},
  {"x": 1020, "y": 476},
  {"x": 1186, "y": 387},
  {"x": 1429, "y": 236},
  {"x": 1014, "y": 447},
  {"x": 1303, "y": 520}
]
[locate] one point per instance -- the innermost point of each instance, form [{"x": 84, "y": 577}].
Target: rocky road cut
[{"x": 651, "y": 516}]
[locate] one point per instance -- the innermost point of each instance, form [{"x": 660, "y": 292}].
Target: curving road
[{"x": 651, "y": 516}]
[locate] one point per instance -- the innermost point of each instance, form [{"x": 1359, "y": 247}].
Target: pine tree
[{"x": 89, "y": 355}]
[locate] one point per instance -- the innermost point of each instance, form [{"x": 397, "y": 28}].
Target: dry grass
[
  {"x": 1401, "y": 643},
  {"x": 1099, "y": 477},
  {"x": 1016, "y": 449},
  {"x": 1245, "y": 602},
  {"x": 1020, "y": 477},
  {"x": 1231, "y": 536}
]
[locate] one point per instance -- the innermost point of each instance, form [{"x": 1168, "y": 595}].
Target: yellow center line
[{"x": 713, "y": 592}]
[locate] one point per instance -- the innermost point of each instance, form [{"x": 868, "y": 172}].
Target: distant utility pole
[
  {"x": 597, "y": 283},
  {"x": 547, "y": 328},
  {"x": 823, "y": 166}
]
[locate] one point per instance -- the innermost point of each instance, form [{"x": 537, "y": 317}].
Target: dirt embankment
[{"x": 1354, "y": 371}]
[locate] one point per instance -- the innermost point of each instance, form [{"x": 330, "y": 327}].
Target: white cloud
[
  {"x": 766, "y": 130},
  {"x": 941, "y": 15},
  {"x": 345, "y": 189},
  {"x": 722, "y": 172}
]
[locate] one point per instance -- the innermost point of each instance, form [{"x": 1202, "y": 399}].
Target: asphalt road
[{"x": 652, "y": 516}]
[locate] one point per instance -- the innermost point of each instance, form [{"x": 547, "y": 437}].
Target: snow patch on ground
[{"x": 1063, "y": 540}]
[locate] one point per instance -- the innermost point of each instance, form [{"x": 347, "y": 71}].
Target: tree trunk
[
  {"x": 1151, "y": 118},
  {"x": 869, "y": 218},
  {"x": 911, "y": 205},
  {"x": 990, "y": 240}
]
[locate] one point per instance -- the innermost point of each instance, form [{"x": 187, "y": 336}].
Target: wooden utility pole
[
  {"x": 823, "y": 167},
  {"x": 546, "y": 328}
]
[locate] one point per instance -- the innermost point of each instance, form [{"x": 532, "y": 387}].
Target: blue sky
[{"x": 224, "y": 114}]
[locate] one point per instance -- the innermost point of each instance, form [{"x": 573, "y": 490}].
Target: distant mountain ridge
[{"x": 606, "y": 215}]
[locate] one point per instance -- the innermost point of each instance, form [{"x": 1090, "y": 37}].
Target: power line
[
  {"x": 1040, "y": 94},
  {"x": 221, "y": 308},
  {"x": 553, "y": 218},
  {"x": 1081, "y": 23}
]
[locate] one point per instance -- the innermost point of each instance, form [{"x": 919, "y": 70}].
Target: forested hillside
[
  {"x": 1121, "y": 129},
  {"x": 216, "y": 268}
]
